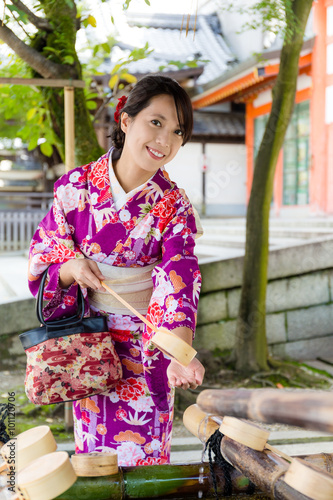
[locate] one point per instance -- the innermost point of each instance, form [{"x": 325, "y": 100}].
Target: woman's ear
[{"x": 125, "y": 121}]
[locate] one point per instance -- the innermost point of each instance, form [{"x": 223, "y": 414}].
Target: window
[{"x": 296, "y": 157}]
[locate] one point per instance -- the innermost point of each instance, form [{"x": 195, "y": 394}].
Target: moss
[{"x": 317, "y": 370}]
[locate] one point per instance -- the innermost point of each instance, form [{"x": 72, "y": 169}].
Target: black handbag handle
[{"x": 72, "y": 320}]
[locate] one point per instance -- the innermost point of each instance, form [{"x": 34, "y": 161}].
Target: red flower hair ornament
[{"x": 121, "y": 103}]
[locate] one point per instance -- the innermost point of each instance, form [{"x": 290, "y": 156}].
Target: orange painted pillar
[
  {"x": 329, "y": 82},
  {"x": 318, "y": 172},
  {"x": 329, "y": 187}
]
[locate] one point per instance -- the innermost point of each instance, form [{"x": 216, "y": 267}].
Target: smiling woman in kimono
[{"x": 122, "y": 219}]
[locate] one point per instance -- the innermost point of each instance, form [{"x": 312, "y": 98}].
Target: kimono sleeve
[
  {"x": 51, "y": 246},
  {"x": 177, "y": 280}
]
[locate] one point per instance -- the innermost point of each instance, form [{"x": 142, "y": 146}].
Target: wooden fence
[{"x": 17, "y": 228}]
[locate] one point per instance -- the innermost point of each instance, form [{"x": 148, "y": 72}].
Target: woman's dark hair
[{"x": 140, "y": 96}]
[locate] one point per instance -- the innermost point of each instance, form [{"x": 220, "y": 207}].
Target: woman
[{"x": 122, "y": 218}]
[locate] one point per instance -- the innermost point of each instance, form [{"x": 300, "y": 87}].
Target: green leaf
[
  {"x": 92, "y": 21},
  {"x": 112, "y": 19},
  {"x": 68, "y": 59},
  {"x": 91, "y": 104},
  {"x": 96, "y": 49},
  {"x": 117, "y": 67},
  {"x": 128, "y": 77},
  {"x": 147, "y": 2},
  {"x": 192, "y": 64},
  {"x": 106, "y": 47},
  {"x": 126, "y": 4},
  {"x": 22, "y": 16},
  {"x": 33, "y": 143},
  {"x": 31, "y": 113},
  {"x": 46, "y": 148},
  {"x": 113, "y": 81},
  {"x": 50, "y": 49}
]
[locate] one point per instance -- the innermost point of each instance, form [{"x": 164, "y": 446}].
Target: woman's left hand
[{"x": 185, "y": 377}]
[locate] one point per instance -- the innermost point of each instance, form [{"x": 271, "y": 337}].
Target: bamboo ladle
[
  {"x": 163, "y": 339},
  {"x": 250, "y": 435},
  {"x": 45, "y": 478},
  {"x": 28, "y": 446}
]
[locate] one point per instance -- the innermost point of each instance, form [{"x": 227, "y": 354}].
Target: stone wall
[{"x": 299, "y": 303}]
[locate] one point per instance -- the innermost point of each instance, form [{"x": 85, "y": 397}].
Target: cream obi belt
[{"x": 133, "y": 284}]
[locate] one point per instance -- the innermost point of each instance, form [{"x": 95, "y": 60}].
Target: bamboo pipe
[
  {"x": 156, "y": 481},
  {"x": 269, "y": 473},
  {"x": 163, "y": 339},
  {"x": 307, "y": 409},
  {"x": 263, "y": 469},
  {"x": 95, "y": 464},
  {"x": 199, "y": 423},
  {"x": 203, "y": 425},
  {"x": 312, "y": 476}
]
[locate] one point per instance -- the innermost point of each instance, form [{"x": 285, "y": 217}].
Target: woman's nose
[{"x": 163, "y": 138}]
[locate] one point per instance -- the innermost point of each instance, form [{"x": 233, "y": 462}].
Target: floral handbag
[{"x": 70, "y": 358}]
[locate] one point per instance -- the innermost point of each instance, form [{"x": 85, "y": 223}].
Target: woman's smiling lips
[{"x": 155, "y": 154}]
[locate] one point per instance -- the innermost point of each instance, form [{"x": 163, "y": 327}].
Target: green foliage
[
  {"x": 191, "y": 63},
  {"x": 275, "y": 16},
  {"x": 22, "y": 16},
  {"x": 22, "y": 110},
  {"x": 34, "y": 114},
  {"x": 120, "y": 70}
]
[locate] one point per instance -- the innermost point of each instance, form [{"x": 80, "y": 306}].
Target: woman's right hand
[{"x": 85, "y": 272}]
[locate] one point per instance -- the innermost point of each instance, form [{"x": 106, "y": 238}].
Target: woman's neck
[{"x": 129, "y": 176}]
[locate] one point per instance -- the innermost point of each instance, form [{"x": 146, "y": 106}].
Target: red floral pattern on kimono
[{"x": 156, "y": 225}]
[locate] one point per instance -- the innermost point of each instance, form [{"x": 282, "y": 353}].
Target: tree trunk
[{"x": 251, "y": 344}]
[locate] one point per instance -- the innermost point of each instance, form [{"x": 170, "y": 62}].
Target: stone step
[
  {"x": 317, "y": 222},
  {"x": 320, "y": 365},
  {"x": 293, "y": 232},
  {"x": 238, "y": 240}
]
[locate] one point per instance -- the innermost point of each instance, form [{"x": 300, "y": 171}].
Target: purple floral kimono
[{"x": 156, "y": 224}]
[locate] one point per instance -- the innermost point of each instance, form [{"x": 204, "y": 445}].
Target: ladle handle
[
  {"x": 278, "y": 452},
  {"x": 126, "y": 304},
  {"x": 3, "y": 467}
]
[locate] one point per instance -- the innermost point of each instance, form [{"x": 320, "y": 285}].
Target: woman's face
[{"x": 153, "y": 136}]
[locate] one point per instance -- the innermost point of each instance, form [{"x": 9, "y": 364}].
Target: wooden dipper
[
  {"x": 309, "y": 480},
  {"x": 249, "y": 434},
  {"x": 28, "y": 446},
  {"x": 46, "y": 477}
]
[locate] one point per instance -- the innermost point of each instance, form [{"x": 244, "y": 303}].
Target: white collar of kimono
[{"x": 120, "y": 197}]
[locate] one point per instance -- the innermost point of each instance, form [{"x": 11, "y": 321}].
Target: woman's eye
[
  {"x": 155, "y": 122},
  {"x": 179, "y": 132}
]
